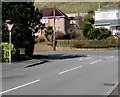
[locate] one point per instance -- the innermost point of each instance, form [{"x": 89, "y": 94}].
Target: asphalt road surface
[{"x": 67, "y": 73}]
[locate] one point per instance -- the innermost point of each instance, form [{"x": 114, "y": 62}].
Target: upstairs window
[
  {"x": 117, "y": 15},
  {"x": 44, "y": 20},
  {"x": 57, "y": 19}
]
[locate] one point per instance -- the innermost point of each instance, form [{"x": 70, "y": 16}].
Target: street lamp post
[{"x": 9, "y": 25}]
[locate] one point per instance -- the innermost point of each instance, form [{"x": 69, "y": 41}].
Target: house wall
[
  {"x": 67, "y": 23},
  {"x": 107, "y": 15},
  {"x": 109, "y": 19},
  {"x": 60, "y": 25}
]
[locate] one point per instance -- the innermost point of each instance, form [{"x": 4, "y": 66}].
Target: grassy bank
[{"x": 75, "y": 7}]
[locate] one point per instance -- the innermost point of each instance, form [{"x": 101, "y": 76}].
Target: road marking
[
  {"x": 88, "y": 58},
  {"x": 109, "y": 57},
  {"x": 95, "y": 61},
  {"x": 88, "y": 55},
  {"x": 80, "y": 59},
  {"x": 70, "y": 70},
  {"x": 84, "y": 59},
  {"x": 19, "y": 87}
]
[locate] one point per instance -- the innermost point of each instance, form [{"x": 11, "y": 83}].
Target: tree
[
  {"x": 86, "y": 27},
  {"x": 25, "y": 17},
  {"x": 94, "y": 33},
  {"x": 79, "y": 21},
  {"x": 99, "y": 33},
  {"x": 89, "y": 17},
  {"x": 49, "y": 33}
]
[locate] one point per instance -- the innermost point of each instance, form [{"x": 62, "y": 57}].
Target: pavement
[
  {"x": 67, "y": 73},
  {"x": 22, "y": 64}
]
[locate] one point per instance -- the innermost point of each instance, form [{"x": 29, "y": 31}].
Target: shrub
[
  {"x": 59, "y": 35},
  {"x": 89, "y": 17},
  {"x": 79, "y": 34},
  {"x": 112, "y": 42},
  {"x": 49, "y": 33},
  {"x": 5, "y": 51},
  {"x": 86, "y": 27},
  {"x": 40, "y": 39},
  {"x": 94, "y": 33},
  {"x": 99, "y": 33}
]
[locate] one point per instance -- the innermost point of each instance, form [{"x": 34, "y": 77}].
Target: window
[
  {"x": 57, "y": 19},
  {"x": 55, "y": 28},
  {"x": 44, "y": 20},
  {"x": 117, "y": 15},
  {"x": 59, "y": 29}
]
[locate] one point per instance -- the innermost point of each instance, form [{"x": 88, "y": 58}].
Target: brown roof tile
[{"x": 49, "y": 12}]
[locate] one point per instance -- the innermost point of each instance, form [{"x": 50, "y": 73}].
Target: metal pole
[
  {"x": 54, "y": 34},
  {"x": 10, "y": 47}
]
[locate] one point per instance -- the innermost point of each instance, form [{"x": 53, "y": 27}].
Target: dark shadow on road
[
  {"x": 40, "y": 57},
  {"x": 58, "y": 56}
]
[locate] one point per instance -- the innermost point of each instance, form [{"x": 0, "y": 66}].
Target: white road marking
[
  {"x": 19, "y": 87},
  {"x": 88, "y": 58},
  {"x": 85, "y": 58},
  {"x": 88, "y": 55},
  {"x": 70, "y": 70},
  {"x": 80, "y": 59},
  {"x": 109, "y": 57},
  {"x": 95, "y": 61}
]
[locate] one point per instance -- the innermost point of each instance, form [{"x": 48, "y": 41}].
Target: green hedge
[
  {"x": 88, "y": 43},
  {"x": 5, "y": 51}
]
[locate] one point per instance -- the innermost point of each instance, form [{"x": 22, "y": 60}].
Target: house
[
  {"x": 73, "y": 21},
  {"x": 61, "y": 19},
  {"x": 108, "y": 18}
]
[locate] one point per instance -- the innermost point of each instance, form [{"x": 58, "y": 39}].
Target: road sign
[{"x": 9, "y": 26}]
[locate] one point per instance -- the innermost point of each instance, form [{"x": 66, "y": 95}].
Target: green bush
[
  {"x": 89, "y": 17},
  {"x": 112, "y": 42},
  {"x": 5, "y": 51},
  {"x": 59, "y": 35},
  {"x": 98, "y": 33},
  {"x": 86, "y": 27}
]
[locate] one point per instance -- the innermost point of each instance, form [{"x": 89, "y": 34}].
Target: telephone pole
[{"x": 54, "y": 33}]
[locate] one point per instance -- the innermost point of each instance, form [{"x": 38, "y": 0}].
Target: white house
[{"x": 108, "y": 18}]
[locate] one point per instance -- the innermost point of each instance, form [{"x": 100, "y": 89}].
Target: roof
[
  {"x": 45, "y": 12},
  {"x": 108, "y": 9},
  {"x": 111, "y": 22},
  {"x": 76, "y": 14}
]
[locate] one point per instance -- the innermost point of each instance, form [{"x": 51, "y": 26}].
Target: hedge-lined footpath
[{"x": 88, "y": 43}]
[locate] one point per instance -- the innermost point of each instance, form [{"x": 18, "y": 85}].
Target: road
[{"x": 67, "y": 73}]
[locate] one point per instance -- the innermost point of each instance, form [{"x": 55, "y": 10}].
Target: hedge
[
  {"x": 88, "y": 43},
  {"x": 5, "y": 51}
]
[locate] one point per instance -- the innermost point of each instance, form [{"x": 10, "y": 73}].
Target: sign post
[{"x": 10, "y": 26}]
